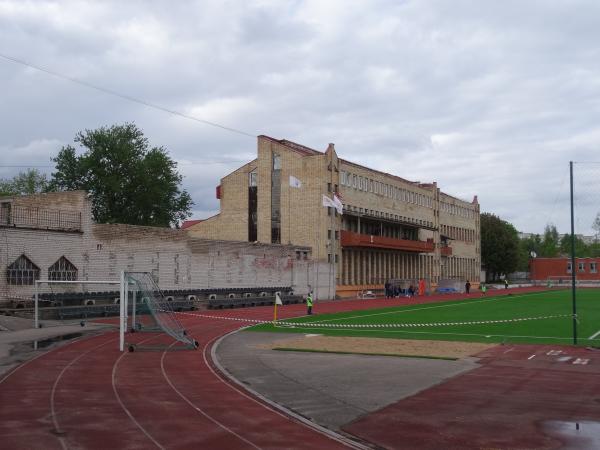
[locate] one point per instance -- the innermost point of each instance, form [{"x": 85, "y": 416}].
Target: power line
[
  {"x": 123, "y": 96},
  {"x": 180, "y": 164}
]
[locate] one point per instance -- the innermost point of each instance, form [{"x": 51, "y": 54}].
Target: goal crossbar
[{"x": 36, "y": 322}]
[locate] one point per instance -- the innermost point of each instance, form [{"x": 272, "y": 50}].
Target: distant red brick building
[{"x": 543, "y": 268}]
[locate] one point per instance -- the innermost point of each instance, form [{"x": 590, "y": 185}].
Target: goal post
[
  {"x": 38, "y": 283},
  {"x": 157, "y": 311}
]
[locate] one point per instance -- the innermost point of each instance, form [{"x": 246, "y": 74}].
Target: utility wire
[
  {"x": 179, "y": 164},
  {"x": 123, "y": 96}
]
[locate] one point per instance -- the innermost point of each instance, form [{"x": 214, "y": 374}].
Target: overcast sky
[{"x": 484, "y": 97}]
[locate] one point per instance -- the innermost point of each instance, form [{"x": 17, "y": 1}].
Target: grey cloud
[{"x": 486, "y": 98}]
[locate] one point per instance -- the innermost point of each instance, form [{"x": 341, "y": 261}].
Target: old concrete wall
[{"x": 177, "y": 259}]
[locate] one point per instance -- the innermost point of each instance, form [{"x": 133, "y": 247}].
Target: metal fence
[{"x": 39, "y": 218}]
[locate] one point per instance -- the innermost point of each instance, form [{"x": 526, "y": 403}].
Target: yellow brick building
[{"x": 391, "y": 228}]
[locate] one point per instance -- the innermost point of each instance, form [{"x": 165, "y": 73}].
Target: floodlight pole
[{"x": 573, "y": 290}]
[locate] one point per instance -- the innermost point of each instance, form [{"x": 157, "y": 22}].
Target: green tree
[
  {"x": 499, "y": 246},
  {"x": 550, "y": 244},
  {"x": 128, "y": 181},
  {"x": 596, "y": 227},
  {"x": 581, "y": 249},
  {"x": 526, "y": 247},
  {"x": 32, "y": 181}
]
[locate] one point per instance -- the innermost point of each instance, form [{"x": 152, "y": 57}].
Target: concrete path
[
  {"x": 19, "y": 340},
  {"x": 330, "y": 389}
]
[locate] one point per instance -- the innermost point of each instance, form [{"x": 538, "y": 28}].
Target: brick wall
[
  {"x": 176, "y": 258},
  {"x": 542, "y": 268}
]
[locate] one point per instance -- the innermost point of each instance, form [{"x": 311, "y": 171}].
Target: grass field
[{"x": 439, "y": 321}]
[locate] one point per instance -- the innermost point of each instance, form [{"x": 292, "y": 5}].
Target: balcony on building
[
  {"x": 382, "y": 218},
  {"x": 36, "y": 218},
  {"x": 445, "y": 250},
  {"x": 351, "y": 239},
  {"x": 377, "y": 229}
]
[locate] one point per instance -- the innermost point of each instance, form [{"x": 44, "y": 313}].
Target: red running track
[{"x": 87, "y": 394}]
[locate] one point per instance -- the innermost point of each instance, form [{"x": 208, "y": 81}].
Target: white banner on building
[
  {"x": 335, "y": 203},
  {"x": 327, "y": 202},
  {"x": 295, "y": 182},
  {"x": 338, "y": 204}
]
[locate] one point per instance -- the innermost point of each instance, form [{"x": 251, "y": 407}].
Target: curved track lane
[{"x": 87, "y": 394}]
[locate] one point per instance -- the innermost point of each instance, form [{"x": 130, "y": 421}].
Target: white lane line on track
[
  {"x": 595, "y": 335},
  {"x": 463, "y": 303},
  {"x": 197, "y": 408},
  {"x": 53, "y": 392},
  {"x": 114, "y": 386}
]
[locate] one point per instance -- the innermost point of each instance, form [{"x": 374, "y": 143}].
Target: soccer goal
[
  {"x": 50, "y": 283},
  {"x": 150, "y": 311}
]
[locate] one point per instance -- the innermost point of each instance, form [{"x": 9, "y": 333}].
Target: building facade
[
  {"x": 560, "y": 269},
  {"x": 390, "y": 227},
  {"x": 53, "y": 237}
]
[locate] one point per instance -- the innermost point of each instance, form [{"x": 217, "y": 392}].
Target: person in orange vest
[{"x": 421, "y": 287}]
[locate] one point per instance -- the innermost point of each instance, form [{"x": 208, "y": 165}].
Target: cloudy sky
[{"x": 484, "y": 97}]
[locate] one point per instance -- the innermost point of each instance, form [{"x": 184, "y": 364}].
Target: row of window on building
[
  {"x": 457, "y": 233},
  {"x": 386, "y": 215},
  {"x": 581, "y": 267},
  {"x": 386, "y": 190},
  {"x": 456, "y": 210},
  {"x": 24, "y": 272}
]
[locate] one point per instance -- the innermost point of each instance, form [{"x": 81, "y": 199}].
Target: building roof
[
  {"x": 307, "y": 151},
  {"x": 298, "y": 148},
  {"x": 189, "y": 223}
]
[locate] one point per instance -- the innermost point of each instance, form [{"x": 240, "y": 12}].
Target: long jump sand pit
[{"x": 381, "y": 346}]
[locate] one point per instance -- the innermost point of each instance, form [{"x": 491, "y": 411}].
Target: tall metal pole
[
  {"x": 36, "y": 307},
  {"x": 573, "y": 290},
  {"x": 122, "y": 323}
]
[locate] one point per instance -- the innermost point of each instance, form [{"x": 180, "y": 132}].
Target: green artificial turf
[{"x": 531, "y": 305}]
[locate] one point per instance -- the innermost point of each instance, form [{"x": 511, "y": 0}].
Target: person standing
[
  {"x": 467, "y": 286},
  {"x": 309, "y": 303},
  {"x": 506, "y": 283},
  {"x": 483, "y": 288}
]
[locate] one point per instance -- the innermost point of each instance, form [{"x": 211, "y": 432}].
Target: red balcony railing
[
  {"x": 350, "y": 239},
  {"x": 446, "y": 250}
]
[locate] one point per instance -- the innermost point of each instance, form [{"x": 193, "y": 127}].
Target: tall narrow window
[
  {"x": 62, "y": 270},
  {"x": 5, "y": 216},
  {"x": 252, "y": 206},
  {"x": 22, "y": 271},
  {"x": 276, "y": 200}
]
